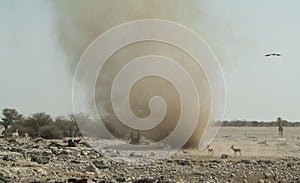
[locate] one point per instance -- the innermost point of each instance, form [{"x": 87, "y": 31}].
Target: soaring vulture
[{"x": 273, "y": 54}]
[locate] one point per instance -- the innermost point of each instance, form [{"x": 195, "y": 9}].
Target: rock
[
  {"x": 73, "y": 142},
  {"x": 83, "y": 153},
  {"x": 152, "y": 154},
  {"x": 144, "y": 180},
  {"x": 224, "y": 156},
  {"x": 13, "y": 157},
  {"x": 121, "y": 178},
  {"x": 75, "y": 161},
  {"x": 183, "y": 162},
  {"x": 18, "y": 150},
  {"x": 244, "y": 177},
  {"x": 135, "y": 154},
  {"x": 40, "y": 171},
  {"x": 291, "y": 164},
  {"x": 74, "y": 180},
  {"x": 214, "y": 165},
  {"x": 265, "y": 162},
  {"x": 55, "y": 144},
  {"x": 65, "y": 152},
  {"x": 5, "y": 176},
  {"x": 95, "y": 152},
  {"x": 267, "y": 175},
  {"x": 91, "y": 168},
  {"x": 185, "y": 151},
  {"x": 244, "y": 161},
  {"x": 55, "y": 150},
  {"x": 40, "y": 159},
  {"x": 222, "y": 161},
  {"x": 100, "y": 164},
  {"x": 6, "y": 158}
]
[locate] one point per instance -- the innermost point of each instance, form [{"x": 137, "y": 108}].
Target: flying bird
[{"x": 273, "y": 54}]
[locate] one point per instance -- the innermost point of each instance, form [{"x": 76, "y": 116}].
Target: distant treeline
[
  {"x": 39, "y": 125},
  {"x": 240, "y": 123},
  {"x": 43, "y": 125}
]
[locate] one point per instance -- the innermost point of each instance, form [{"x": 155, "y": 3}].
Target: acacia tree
[
  {"x": 68, "y": 125},
  {"x": 36, "y": 121},
  {"x": 10, "y": 116}
]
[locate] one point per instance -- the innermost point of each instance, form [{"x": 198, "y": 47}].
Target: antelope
[
  {"x": 210, "y": 151},
  {"x": 12, "y": 137},
  {"x": 235, "y": 150}
]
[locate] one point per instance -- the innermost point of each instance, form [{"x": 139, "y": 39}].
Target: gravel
[{"x": 22, "y": 163}]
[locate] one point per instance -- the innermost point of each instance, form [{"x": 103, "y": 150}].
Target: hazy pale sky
[{"x": 34, "y": 74}]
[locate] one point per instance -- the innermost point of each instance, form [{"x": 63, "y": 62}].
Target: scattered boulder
[{"x": 100, "y": 164}]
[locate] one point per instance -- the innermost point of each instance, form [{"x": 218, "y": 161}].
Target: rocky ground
[{"x": 29, "y": 161}]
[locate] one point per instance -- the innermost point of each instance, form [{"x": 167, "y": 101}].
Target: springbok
[
  {"x": 12, "y": 137},
  {"x": 210, "y": 151},
  {"x": 235, "y": 150}
]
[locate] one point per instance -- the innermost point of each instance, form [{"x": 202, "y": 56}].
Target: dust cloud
[{"x": 80, "y": 22}]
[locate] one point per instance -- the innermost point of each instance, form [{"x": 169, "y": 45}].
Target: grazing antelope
[
  {"x": 235, "y": 150},
  {"x": 210, "y": 151}
]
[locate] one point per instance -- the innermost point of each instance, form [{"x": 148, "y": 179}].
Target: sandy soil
[{"x": 258, "y": 141}]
